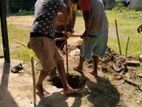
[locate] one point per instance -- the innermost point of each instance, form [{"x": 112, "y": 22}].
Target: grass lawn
[
  {"x": 127, "y": 20},
  {"x": 17, "y": 51}
]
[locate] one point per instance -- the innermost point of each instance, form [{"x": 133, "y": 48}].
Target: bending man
[
  {"x": 95, "y": 35},
  {"x": 43, "y": 44}
]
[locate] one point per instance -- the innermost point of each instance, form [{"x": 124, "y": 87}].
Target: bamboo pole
[
  {"x": 34, "y": 81},
  {"x": 118, "y": 37},
  {"x": 126, "y": 51},
  {"x": 67, "y": 64},
  {"x": 20, "y": 43}
]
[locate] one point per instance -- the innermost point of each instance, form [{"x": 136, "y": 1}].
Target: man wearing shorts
[
  {"x": 95, "y": 35},
  {"x": 43, "y": 44}
]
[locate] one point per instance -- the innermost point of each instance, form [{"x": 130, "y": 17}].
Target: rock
[
  {"x": 132, "y": 63},
  {"x": 75, "y": 52},
  {"x": 140, "y": 75},
  {"x": 75, "y": 42},
  {"x": 127, "y": 75},
  {"x": 118, "y": 67},
  {"x": 140, "y": 58},
  {"x": 138, "y": 102},
  {"x": 105, "y": 69}
]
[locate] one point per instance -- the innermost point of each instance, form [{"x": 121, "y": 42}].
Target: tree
[{"x": 16, "y": 5}]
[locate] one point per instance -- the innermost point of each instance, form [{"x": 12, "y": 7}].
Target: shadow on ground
[
  {"x": 6, "y": 100},
  {"x": 95, "y": 94},
  {"x": 103, "y": 94}
]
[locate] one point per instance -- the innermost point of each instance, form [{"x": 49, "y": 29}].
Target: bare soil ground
[{"x": 16, "y": 89}]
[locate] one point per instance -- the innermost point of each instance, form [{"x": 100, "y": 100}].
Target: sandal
[{"x": 17, "y": 68}]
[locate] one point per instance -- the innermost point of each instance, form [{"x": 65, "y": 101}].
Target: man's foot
[
  {"x": 78, "y": 69},
  {"x": 70, "y": 91},
  {"x": 39, "y": 90}
]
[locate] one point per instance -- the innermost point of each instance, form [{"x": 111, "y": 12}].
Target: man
[
  {"x": 60, "y": 21},
  {"x": 139, "y": 29},
  {"x": 43, "y": 44},
  {"x": 95, "y": 35},
  {"x": 61, "y": 26}
]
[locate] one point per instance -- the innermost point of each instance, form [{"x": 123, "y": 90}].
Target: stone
[{"x": 140, "y": 58}]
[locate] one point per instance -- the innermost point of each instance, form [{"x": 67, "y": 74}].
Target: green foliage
[
  {"x": 119, "y": 6},
  {"x": 16, "y": 5},
  {"x": 22, "y": 13}
]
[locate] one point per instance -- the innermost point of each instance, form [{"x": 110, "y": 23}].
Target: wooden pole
[
  {"x": 20, "y": 43},
  {"x": 118, "y": 37},
  {"x": 3, "y": 14},
  {"x": 67, "y": 64},
  {"x": 126, "y": 51},
  {"x": 34, "y": 81}
]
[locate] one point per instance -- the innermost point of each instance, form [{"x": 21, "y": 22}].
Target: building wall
[
  {"x": 136, "y": 4},
  {"x": 109, "y": 4}
]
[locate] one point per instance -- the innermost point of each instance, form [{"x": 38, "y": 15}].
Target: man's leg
[
  {"x": 43, "y": 74},
  {"x": 40, "y": 46},
  {"x": 79, "y": 68},
  {"x": 61, "y": 69},
  {"x": 67, "y": 89},
  {"x": 96, "y": 60}
]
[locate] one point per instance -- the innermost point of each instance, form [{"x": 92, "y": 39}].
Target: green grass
[
  {"x": 17, "y": 51},
  {"x": 127, "y": 21},
  {"x": 23, "y": 13}
]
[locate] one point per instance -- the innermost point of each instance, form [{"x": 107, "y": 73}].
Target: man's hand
[
  {"x": 139, "y": 28},
  {"x": 66, "y": 11},
  {"x": 60, "y": 19},
  {"x": 85, "y": 34}
]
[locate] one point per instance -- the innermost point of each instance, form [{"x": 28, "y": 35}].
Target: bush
[{"x": 16, "y": 5}]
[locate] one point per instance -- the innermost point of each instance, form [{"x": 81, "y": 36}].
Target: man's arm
[
  {"x": 66, "y": 11},
  {"x": 86, "y": 9},
  {"x": 139, "y": 28},
  {"x": 62, "y": 17},
  {"x": 86, "y": 16}
]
